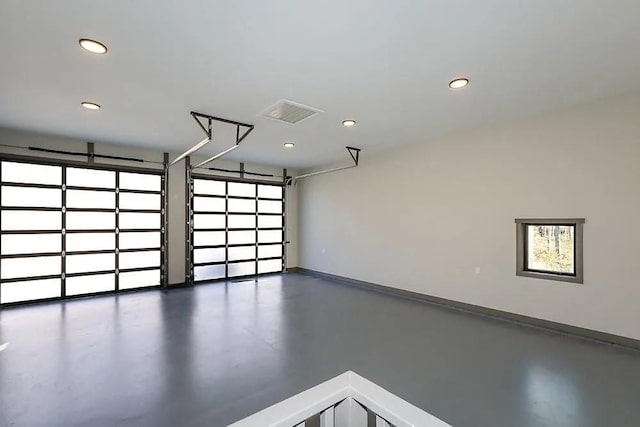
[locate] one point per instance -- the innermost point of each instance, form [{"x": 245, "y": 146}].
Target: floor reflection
[{"x": 553, "y": 397}]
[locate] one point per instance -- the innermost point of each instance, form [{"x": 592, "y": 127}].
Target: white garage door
[
  {"x": 238, "y": 229},
  {"x": 72, "y": 230}
]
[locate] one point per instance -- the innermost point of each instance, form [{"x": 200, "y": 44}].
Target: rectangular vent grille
[{"x": 290, "y": 112}]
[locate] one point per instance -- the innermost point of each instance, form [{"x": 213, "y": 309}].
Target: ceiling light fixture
[
  {"x": 348, "y": 123},
  {"x": 93, "y": 46},
  {"x": 458, "y": 83},
  {"x": 90, "y": 105},
  {"x": 289, "y": 145}
]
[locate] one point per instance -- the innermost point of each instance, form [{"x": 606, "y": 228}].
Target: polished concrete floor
[{"x": 211, "y": 355}]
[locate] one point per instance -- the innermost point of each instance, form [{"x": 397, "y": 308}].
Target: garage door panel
[
  {"x": 242, "y": 268},
  {"x": 270, "y": 266},
  {"x": 90, "y": 262},
  {"x": 77, "y": 214},
  {"x": 91, "y": 284},
  {"x": 91, "y": 220},
  {"x": 209, "y": 272},
  {"x": 140, "y": 181},
  {"x": 96, "y": 178},
  {"x": 140, "y": 221},
  {"x": 139, "y": 201},
  {"x": 30, "y": 220},
  {"x": 12, "y": 244},
  {"x": 139, "y": 279},
  {"x": 30, "y": 290},
  {"x": 140, "y": 239},
  {"x": 90, "y": 241},
  {"x": 241, "y": 189},
  {"x": 210, "y": 187},
  {"x": 91, "y": 199},
  {"x": 30, "y": 267},
  {"x": 31, "y": 197},
  {"x": 28, "y": 173},
  {"x": 251, "y": 229},
  {"x": 139, "y": 259}
]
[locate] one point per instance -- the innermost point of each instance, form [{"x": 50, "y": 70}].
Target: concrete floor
[{"x": 219, "y": 352}]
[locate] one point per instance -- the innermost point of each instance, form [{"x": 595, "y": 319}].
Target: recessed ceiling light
[
  {"x": 458, "y": 83},
  {"x": 93, "y": 46},
  {"x": 289, "y": 145},
  {"x": 90, "y": 105},
  {"x": 348, "y": 123}
]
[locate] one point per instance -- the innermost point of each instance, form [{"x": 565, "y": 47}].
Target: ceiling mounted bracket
[
  {"x": 353, "y": 152},
  {"x": 205, "y": 121},
  {"x": 207, "y": 130}
]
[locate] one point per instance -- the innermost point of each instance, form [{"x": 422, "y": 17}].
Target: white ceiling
[{"x": 384, "y": 63}]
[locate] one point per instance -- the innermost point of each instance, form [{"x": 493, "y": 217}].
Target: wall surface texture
[
  {"x": 438, "y": 217},
  {"x": 176, "y": 186}
]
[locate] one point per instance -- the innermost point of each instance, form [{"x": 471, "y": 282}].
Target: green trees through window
[{"x": 550, "y": 248}]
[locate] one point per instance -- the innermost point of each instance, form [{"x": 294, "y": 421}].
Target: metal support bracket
[
  {"x": 353, "y": 152},
  {"x": 164, "y": 275},
  {"x": 91, "y": 152},
  {"x": 205, "y": 122}
]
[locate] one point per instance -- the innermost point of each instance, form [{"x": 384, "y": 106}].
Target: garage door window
[
  {"x": 237, "y": 229},
  {"x": 74, "y": 230}
]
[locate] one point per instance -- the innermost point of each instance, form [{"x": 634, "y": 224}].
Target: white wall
[
  {"x": 176, "y": 191},
  {"x": 424, "y": 217}
]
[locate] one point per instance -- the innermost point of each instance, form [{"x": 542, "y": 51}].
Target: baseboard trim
[{"x": 588, "y": 334}]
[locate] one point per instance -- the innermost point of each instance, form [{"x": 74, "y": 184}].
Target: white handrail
[{"x": 298, "y": 408}]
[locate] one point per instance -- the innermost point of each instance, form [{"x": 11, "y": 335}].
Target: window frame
[{"x": 522, "y": 249}]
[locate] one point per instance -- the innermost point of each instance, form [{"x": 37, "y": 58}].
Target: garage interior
[{"x": 210, "y": 207}]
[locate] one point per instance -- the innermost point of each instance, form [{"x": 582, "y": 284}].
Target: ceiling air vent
[{"x": 290, "y": 112}]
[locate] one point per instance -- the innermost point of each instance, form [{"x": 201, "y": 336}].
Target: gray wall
[
  {"x": 176, "y": 186},
  {"x": 438, "y": 217}
]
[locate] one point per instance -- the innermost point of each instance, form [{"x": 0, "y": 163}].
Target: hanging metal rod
[
  {"x": 191, "y": 150},
  {"x": 307, "y": 175},
  {"x": 353, "y": 152},
  {"x": 208, "y": 130},
  {"x": 97, "y": 156},
  {"x": 217, "y": 156},
  {"x": 269, "y": 175}
]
